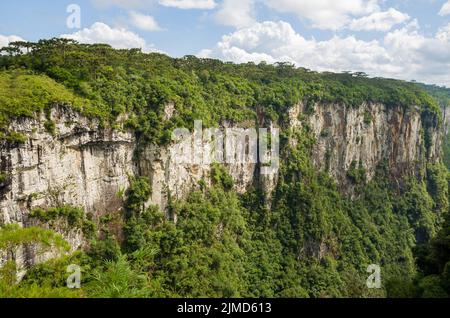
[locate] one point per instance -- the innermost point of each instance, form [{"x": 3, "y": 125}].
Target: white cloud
[
  {"x": 445, "y": 10},
  {"x": 143, "y": 22},
  {"x": 277, "y": 41},
  {"x": 326, "y": 14},
  {"x": 236, "y": 13},
  {"x": 403, "y": 53},
  {"x": 379, "y": 21},
  {"x": 117, "y": 38},
  {"x": 443, "y": 33},
  {"x": 6, "y": 39},
  {"x": 189, "y": 4}
]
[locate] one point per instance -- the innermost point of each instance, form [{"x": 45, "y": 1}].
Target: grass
[{"x": 23, "y": 94}]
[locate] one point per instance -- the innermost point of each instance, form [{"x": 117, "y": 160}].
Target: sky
[{"x": 404, "y": 39}]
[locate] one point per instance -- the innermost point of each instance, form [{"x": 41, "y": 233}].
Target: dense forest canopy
[
  {"x": 439, "y": 93},
  {"x": 225, "y": 244},
  {"x": 104, "y": 82}
]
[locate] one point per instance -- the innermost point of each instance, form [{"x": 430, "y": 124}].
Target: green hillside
[{"x": 129, "y": 81}]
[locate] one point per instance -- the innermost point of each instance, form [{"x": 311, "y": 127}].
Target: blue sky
[{"x": 406, "y": 39}]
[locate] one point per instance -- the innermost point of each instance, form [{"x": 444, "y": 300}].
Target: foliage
[
  {"x": 23, "y": 93},
  {"x": 75, "y": 217},
  {"x": 367, "y": 118},
  {"x": 106, "y": 83},
  {"x": 441, "y": 94},
  {"x": 4, "y": 177},
  {"x": 138, "y": 194},
  {"x": 37, "y": 291},
  {"x": 116, "y": 280},
  {"x": 220, "y": 177},
  {"x": 12, "y": 236},
  {"x": 434, "y": 264},
  {"x": 356, "y": 174}
]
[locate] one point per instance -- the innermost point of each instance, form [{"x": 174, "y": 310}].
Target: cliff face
[
  {"x": 364, "y": 137},
  {"x": 446, "y": 119},
  {"x": 81, "y": 165},
  {"x": 86, "y": 166}
]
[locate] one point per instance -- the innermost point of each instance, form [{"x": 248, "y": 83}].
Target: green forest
[{"x": 307, "y": 240}]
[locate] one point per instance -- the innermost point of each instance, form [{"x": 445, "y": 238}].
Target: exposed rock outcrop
[{"x": 363, "y": 137}]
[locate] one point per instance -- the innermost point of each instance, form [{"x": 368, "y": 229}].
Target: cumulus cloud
[
  {"x": 6, "y": 39},
  {"x": 189, "y": 4},
  {"x": 379, "y": 21},
  {"x": 143, "y": 22},
  {"x": 403, "y": 53},
  {"x": 445, "y": 10},
  {"x": 118, "y": 38},
  {"x": 326, "y": 14},
  {"x": 277, "y": 41},
  {"x": 236, "y": 13}
]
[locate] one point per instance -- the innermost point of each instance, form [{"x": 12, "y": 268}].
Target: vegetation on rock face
[
  {"x": 307, "y": 241},
  {"x": 75, "y": 218},
  {"x": 13, "y": 237}
]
